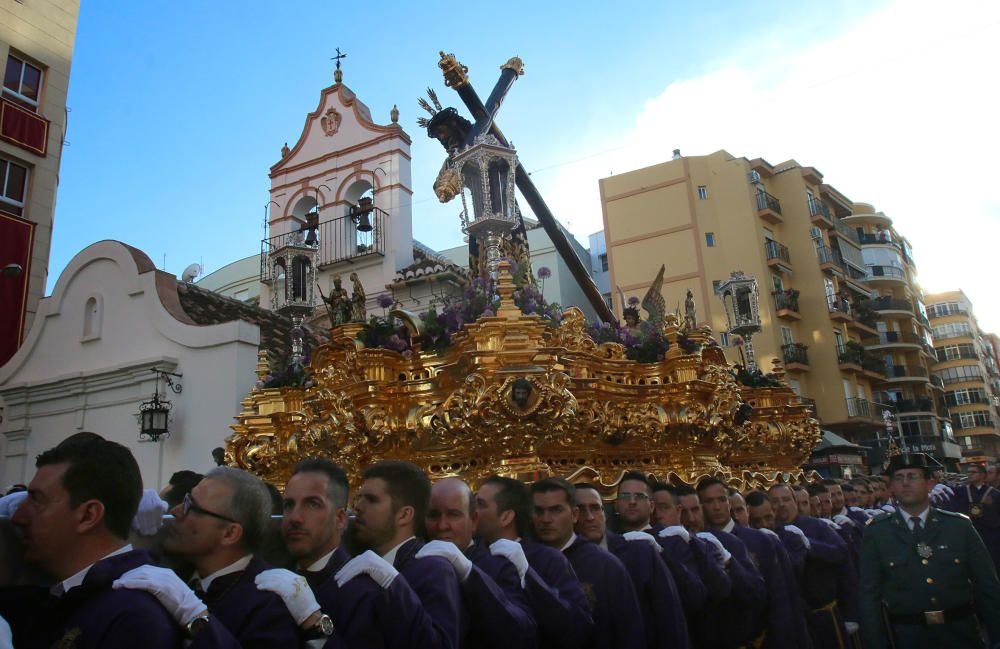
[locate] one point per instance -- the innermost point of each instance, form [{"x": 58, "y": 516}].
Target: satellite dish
[{"x": 190, "y": 273}]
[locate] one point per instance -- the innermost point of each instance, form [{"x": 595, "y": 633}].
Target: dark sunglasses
[{"x": 188, "y": 505}]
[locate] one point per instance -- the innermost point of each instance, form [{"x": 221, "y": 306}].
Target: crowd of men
[{"x": 407, "y": 563}]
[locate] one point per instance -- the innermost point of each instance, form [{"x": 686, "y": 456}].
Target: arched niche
[{"x": 93, "y": 317}]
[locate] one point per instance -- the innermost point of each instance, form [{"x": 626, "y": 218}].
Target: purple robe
[
  {"x": 556, "y": 598},
  {"x": 434, "y": 581},
  {"x": 612, "y": 596},
  {"x": 743, "y": 610},
  {"x": 498, "y": 610},
  {"x": 987, "y": 523},
  {"x": 256, "y": 618},
  {"x": 828, "y": 556},
  {"x": 366, "y": 615},
  {"x": 92, "y": 615},
  {"x": 718, "y": 582},
  {"x": 662, "y": 611},
  {"x": 680, "y": 560}
]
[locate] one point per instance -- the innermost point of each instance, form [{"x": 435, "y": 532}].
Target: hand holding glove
[
  {"x": 676, "y": 530},
  {"x": 164, "y": 584},
  {"x": 149, "y": 517},
  {"x": 513, "y": 552},
  {"x": 721, "y": 549},
  {"x": 802, "y": 535},
  {"x": 293, "y": 590},
  {"x": 448, "y": 550},
  {"x": 768, "y": 532},
  {"x": 643, "y": 537},
  {"x": 842, "y": 520},
  {"x": 367, "y": 563},
  {"x": 830, "y": 523}
]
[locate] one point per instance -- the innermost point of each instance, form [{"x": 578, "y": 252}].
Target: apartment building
[
  {"x": 967, "y": 369},
  {"x": 36, "y": 47},
  {"x": 837, "y": 299}
]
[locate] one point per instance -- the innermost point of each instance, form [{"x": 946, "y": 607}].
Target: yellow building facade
[
  {"x": 36, "y": 48},
  {"x": 839, "y": 303},
  {"x": 967, "y": 369}
]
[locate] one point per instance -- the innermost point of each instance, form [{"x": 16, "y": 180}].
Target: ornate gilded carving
[{"x": 456, "y": 75}]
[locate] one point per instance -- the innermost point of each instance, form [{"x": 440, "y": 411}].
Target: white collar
[
  {"x": 572, "y": 537},
  {"x": 604, "y": 542},
  {"x": 648, "y": 527},
  {"x": 728, "y": 527},
  {"x": 390, "y": 556},
  {"x": 922, "y": 516},
  {"x": 236, "y": 566},
  {"x": 320, "y": 563},
  {"x": 77, "y": 579},
  {"x": 842, "y": 512}
]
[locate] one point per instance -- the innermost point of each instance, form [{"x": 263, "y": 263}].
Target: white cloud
[{"x": 899, "y": 111}]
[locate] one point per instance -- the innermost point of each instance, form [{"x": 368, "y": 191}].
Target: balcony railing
[
  {"x": 884, "y": 237},
  {"x": 891, "y": 272},
  {"x": 786, "y": 300},
  {"x": 920, "y": 404},
  {"x": 336, "y": 240},
  {"x": 22, "y": 127},
  {"x": 795, "y": 353},
  {"x": 904, "y": 371},
  {"x": 890, "y": 304},
  {"x": 850, "y": 355},
  {"x": 846, "y": 231},
  {"x": 767, "y": 202},
  {"x": 894, "y": 337},
  {"x": 817, "y": 208},
  {"x": 941, "y": 313},
  {"x": 867, "y": 409},
  {"x": 873, "y": 364},
  {"x": 943, "y": 356},
  {"x": 963, "y": 378},
  {"x": 953, "y": 334},
  {"x": 969, "y": 398},
  {"x": 837, "y": 304},
  {"x": 937, "y": 381},
  {"x": 776, "y": 250},
  {"x": 829, "y": 256}
]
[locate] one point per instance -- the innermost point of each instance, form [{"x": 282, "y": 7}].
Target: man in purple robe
[
  {"x": 493, "y": 596},
  {"x": 390, "y": 510},
  {"x": 217, "y": 528},
  {"x": 75, "y": 521},
  {"x": 662, "y": 612},
  {"x": 784, "y": 627},
  {"x": 551, "y": 588},
  {"x": 826, "y": 557},
  {"x": 980, "y": 501},
  {"x": 612, "y": 595},
  {"x": 373, "y": 609}
]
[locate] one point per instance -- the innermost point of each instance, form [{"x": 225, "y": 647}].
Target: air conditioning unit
[
  {"x": 815, "y": 233},
  {"x": 754, "y": 176}
]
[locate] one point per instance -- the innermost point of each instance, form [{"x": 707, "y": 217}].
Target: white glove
[
  {"x": 852, "y": 627},
  {"x": 367, "y": 563},
  {"x": 802, "y": 535},
  {"x": 889, "y": 508},
  {"x": 149, "y": 517},
  {"x": 856, "y": 509},
  {"x": 172, "y": 593},
  {"x": 10, "y": 503},
  {"x": 708, "y": 536},
  {"x": 767, "y": 531},
  {"x": 6, "y": 638},
  {"x": 448, "y": 550},
  {"x": 513, "y": 552},
  {"x": 643, "y": 537},
  {"x": 841, "y": 519},
  {"x": 874, "y": 512},
  {"x": 676, "y": 530},
  {"x": 830, "y": 523},
  {"x": 293, "y": 590},
  {"x": 948, "y": 490}
]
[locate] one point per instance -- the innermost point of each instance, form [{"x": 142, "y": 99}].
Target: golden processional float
[{"x": 496, "y": 381}]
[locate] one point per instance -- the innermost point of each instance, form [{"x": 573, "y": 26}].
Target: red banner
[
  {"x": 16, "y": 239},
  {"x": 23, "y": 127}
]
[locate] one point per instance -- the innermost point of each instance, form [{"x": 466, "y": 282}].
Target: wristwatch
[
  {"x": 322, "y": 629},
  {"x": 196, "y": 625}
]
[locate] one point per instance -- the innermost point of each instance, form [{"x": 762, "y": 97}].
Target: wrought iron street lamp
[{"x": 154, "y": 415}]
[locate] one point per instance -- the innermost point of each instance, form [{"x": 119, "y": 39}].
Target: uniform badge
[
  {"x": 925, "y": 551},
  {"x": 68, "y": 641},
  {"x": 975, "y": 510}
]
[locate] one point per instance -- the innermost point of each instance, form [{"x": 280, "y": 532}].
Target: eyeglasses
[
  {"x": 188, "y": 505},
  {"x": 638, "y": 495}
]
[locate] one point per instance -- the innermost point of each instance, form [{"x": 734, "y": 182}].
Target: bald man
[{"x": 499, "y": 615}]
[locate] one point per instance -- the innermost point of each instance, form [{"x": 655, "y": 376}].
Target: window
[
  {"x": 786, "y": 335},
  {"x": 839, "y": 341},
  {"x": 724, "y": 339},
  {"x": 603, "y": 258},
  {"x": 710, "y": 239},
  {"x": 965, "y": 396},
  {"x": 776, "y": 282},
  {"x": 959, "y": 374},
  {"x": 952, "y": 330},
  {"x": 22, "y": 82},
  {"x": 13, "y": 185},
  {"x": 953, "y": 352},
  {"x": 973, "y": 419},
  {"x": 702, "y": 192}
]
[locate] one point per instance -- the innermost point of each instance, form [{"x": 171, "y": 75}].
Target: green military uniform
[{"x": 927, "y": 588}]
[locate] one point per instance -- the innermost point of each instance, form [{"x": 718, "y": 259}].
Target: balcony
[
  {"x": 777, "y": 256},
  {"x": 786, "y": 304},
  {"x": 886, "y": 305},
  {"x": 886, "y": 274},
  {"x": 851, "y": 359},
  {"x": 944, "y": 313},
  {"x": 874, "y": 367},
  {"x": 919, "y": 404},
  {"x": 941, "y": 355},
  {"x": 856, "y": 279},
  {"x": 819, "y": 214},
  {"x": 937, "y": 382},
  {"x": 768, "y": 208},
  {"x": 870, "y": 411},
  {"x": 953, "y": 334},
  {"x": 896, "y": 339},
  {"x": 864, "y": 318},
  {"x": 839, "y": 308},
  {"x": 846, "y": 232},
  {"x": 337, "y": 240},
  {"x": 972, "y": 377},
  {"x": 902, "y": 373},
  {"x": 23, "y": 128},
  {"x": 795, "y": 357},
  {"x": 830, "y": 260}
]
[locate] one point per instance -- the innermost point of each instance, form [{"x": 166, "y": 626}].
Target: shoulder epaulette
[{"x": 945, "y": 512}]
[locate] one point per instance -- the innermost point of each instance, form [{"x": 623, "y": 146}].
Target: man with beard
[
  {"x": 782, "y": 623},
  {"x": 75, "y": 522},
  {"x": 662, "y": 611},
  {"x": 389, "y": 515},
  {"x": 492, "y": 594},
  {"x": 367, "y": 605},
  {"x": 617, "y": 617},
  {"x": 925, "y": 572},
  {"x": 551, "y": 588}
]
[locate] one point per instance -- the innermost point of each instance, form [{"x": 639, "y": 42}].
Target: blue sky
[{"x": 179, "y": 109}]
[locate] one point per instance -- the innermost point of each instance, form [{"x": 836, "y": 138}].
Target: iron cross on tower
[{"x": 337, "y": 74}]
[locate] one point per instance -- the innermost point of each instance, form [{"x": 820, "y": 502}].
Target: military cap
[{"x": 911, "y": 461}]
